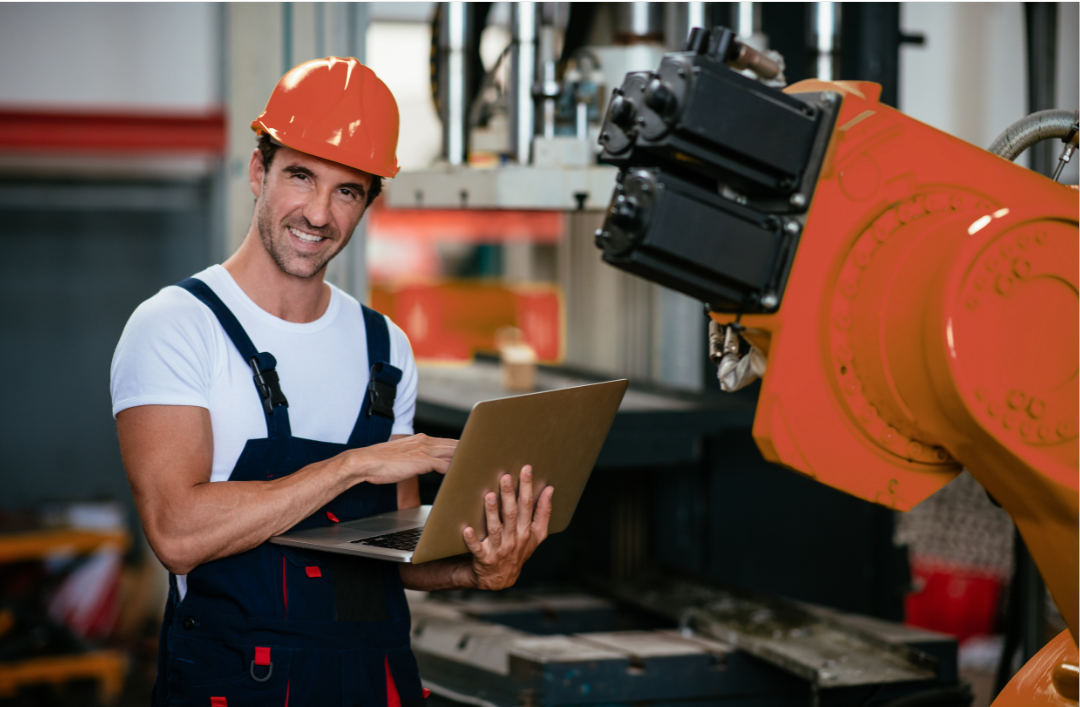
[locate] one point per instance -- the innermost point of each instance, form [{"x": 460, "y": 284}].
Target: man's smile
[{"x": 306, "y": 237}]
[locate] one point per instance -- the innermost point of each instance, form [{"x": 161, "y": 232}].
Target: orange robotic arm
[
  {"x": 929, "y": 324},
  {"x": 919, "y": 317}
]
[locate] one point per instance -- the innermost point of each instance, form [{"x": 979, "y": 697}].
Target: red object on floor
[
  {"x": 954, "y": 599},
  {"x": 313, "y": 571},
  {"x": 393, "y": 699}
]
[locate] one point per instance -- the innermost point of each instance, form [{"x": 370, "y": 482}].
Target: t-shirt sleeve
[
  {"x": 166, "y": 355},
  {"x": 405, "y": 403}
]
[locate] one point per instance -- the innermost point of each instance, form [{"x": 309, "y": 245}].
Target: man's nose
[{"x": 317, "y": 209}]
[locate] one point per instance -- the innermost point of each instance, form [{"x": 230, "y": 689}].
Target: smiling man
[{"x": 227, "y": 445}]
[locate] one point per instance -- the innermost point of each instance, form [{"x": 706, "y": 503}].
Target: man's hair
[{"x": 267, "y": 149}]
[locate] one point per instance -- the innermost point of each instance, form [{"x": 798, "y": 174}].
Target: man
[{"x": 219, "y": 465}]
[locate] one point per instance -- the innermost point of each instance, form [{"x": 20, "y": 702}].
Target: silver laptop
[{"x": 558, "y": 432}]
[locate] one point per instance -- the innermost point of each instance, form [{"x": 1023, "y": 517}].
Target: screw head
[
  {"x": 792, "y": 227},
  {"x": 769, "y": 300},
  {"x": 798, "y": 200},
  {"x": 830, "y": 97}
]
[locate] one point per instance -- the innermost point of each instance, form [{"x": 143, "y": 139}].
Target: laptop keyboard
[{"x": 405, "y": 540}]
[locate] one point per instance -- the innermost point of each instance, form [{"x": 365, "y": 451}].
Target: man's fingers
[
  {"x": 491, "y": 510},
  {"x": 543, "y": 514},
  {"x": 509, "y": 502},
  {"x": 525, "y": 496},
  {"x": 471, "y": 542},
  {"x": 437, "y": 464}
]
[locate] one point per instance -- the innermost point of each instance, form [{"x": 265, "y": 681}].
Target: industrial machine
[{"x": 910, "y": 298}]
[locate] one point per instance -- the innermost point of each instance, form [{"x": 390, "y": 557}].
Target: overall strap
[
  {"x": 264, "y": 365},
  {"x": 376, "y": 418}
]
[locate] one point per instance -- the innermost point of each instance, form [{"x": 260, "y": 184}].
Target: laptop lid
[{"x": 558, "y": 432}]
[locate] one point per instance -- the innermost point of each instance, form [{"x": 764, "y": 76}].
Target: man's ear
[{"x": 256, "y": 172}]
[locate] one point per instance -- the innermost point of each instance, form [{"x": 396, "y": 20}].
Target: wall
[{"x": 970, "y": 79}]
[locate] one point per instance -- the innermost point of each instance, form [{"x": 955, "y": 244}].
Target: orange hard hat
[{"x": 337, "y": 109}]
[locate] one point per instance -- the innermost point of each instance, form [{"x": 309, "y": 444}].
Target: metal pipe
[
  {"x": 827, "y": 39},
  {"x": 1044, "y": 125},
  {"x": 454, "y": 29},
  {"x": 745, "y": 24},
  {"x": 695, "y": 15},
  {"x": 638, "y": 22},
  {"x": 522, "y": 72}
]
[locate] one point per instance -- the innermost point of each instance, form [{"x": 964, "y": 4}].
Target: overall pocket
[{"x": 199, "y": 670}]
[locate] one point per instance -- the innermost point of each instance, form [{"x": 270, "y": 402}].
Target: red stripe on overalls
[{"x": 393, "y": 699}]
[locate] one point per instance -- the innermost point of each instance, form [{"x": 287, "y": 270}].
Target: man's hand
[
  {"x": 401, "y": 458},
  {"x": 497, "y": 560}
]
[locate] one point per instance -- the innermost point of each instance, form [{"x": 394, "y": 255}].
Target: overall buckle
[
  {"x": 269, "y": 386},
  {"x": 381, "y": 395}
]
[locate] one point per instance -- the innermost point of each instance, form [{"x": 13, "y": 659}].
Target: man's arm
[
  {"x": 168, "y": 452},
  {"x": 496, "y": 561}
]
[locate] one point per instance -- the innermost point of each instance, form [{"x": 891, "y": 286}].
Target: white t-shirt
[{"x": 174, "y": 352}]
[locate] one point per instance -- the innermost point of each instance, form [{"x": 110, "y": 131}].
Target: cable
[{"x": 1044, "y": 125}]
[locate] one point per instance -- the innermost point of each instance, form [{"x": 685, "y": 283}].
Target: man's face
[{"x": 306, "y": 208}]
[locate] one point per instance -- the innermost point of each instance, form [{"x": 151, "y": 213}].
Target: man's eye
[{"x": 348, "y": 193}]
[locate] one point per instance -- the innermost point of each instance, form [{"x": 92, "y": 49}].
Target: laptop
[{"x": 558, "y": 432}]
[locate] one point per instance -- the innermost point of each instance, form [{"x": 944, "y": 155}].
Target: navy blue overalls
[{"x": 276, "y": 625}]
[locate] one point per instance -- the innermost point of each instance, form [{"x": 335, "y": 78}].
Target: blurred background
[{"x": 124, "y": 144}]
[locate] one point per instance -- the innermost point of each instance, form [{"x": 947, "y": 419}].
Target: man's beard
[{"x": 300, "y": 262}]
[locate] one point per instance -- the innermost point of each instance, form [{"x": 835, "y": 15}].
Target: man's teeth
[{"x": 305, "y": 237}]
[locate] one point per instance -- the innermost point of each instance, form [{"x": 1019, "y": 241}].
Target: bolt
[
  {"x": 849, "y": 288},
  {"x": 1036, "y": 408},
  {"x": 1040, "y": 237},
  {"x": 941, "y": 455},
  {"x": 862, "y": 258},
  {"x": 1021, "y": 267},
  {"x": 792, "y": 227},
  {"x": 1004, "y": 284},
  {"x": 829, "y": 97},
  {"x": 888, "y": 434},
  {"x": 842, "y": 320},
  {"x": 1045, "y": 431},
  {"x": 604, "y": 137},
  {"x": 854, "y": 386},
  {"x": 798, "y": 200},
  {"x": 914, "y": 449},
  {"x": 1065, "y": 428},
  {"x": 1016, "y": 399},
  {"x": 769, "y": 300},
  {"x": 868, "y": 413}
]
